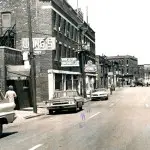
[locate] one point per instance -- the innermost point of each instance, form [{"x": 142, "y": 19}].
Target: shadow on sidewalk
[{"x": 7, "y": 134}]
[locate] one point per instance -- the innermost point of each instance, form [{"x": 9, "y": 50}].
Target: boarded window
[{"x": 6, "y": 21}]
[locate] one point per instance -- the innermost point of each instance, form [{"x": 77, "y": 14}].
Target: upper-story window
[
  {"x": 54, "y": 19},
  {"x": 64, "y": 29},
  {"x": 6, "y": 21},
  {"x": 68, "y": 30},
  {"x": 59, "y": 22},
  {"x": 127, "y": 61}
]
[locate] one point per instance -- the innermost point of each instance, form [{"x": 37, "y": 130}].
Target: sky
[{"x": 122, "y": 26}]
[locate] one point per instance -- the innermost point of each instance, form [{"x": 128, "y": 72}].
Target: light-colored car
[
  {"x": 100, "y": 93},
  {"x": 65, "y": 100},
  {"x": 7, "y": 114}
]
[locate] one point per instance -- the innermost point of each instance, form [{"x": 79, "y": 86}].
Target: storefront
[{"x": 59, "y": 80}]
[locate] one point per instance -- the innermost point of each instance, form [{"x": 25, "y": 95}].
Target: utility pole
[
  {"x": 82, "y": 63},
  {"x": 32, "y": 59}
]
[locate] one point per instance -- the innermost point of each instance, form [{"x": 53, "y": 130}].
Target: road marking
[
  {"x": 146, "y": 105},
  {"x": 35, "y": 147},
  {"x": 94, "y": 115}
]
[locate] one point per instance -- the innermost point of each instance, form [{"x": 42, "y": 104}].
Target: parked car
[
  {"x": 132, "y": 85},
  {"x": 65, "y": 100},
  {"x": 100, "y": 93},
  {"x": 7, "y": 114}
]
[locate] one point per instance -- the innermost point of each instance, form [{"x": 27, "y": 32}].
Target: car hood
[{"x": 66, "y": 99}]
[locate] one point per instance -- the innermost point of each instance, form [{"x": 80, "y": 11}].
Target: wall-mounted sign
[
  {"x": 39, "y": 44},
  {"x": 90, "y": 67},
  {"x": 110, "y": 73},
  {"x": 69, "y": 62}
]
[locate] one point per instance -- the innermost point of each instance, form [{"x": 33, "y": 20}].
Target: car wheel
[
  {"x": 1, "y": 129},
  {"x": 75, "y": 110},
  {"x": 106, "y": 98},
  {"x": 50, "y": 112},
  {"x": 80, "y": 108}
]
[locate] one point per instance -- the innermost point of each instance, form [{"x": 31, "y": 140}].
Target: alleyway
[{"x": 121, "y": 123}]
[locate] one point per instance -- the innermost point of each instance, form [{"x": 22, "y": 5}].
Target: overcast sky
[{"x": 122, "y": 26}]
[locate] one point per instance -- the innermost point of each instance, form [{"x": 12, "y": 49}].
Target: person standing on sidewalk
[{"x": 11, "y": 95}]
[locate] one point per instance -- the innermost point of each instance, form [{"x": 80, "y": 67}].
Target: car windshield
[
  {"x": 101, "y": 89},
  {"x": 59, "y": 94}
]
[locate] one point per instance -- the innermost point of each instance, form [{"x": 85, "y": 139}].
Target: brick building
[
  {"x": 141, "y": 71},
  {"x": 104, "y": 67},
  {"x": 51, "y": 18},
  {"x": 127, "y": 66},
  {"x": 147, "y": 73}
]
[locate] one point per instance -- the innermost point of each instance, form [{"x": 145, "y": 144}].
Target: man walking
[{"x": 10, "y": 94}]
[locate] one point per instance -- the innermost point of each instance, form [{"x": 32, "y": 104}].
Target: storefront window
[{"x": 58, "y": 82}]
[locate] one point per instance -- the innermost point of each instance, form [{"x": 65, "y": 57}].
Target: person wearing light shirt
[{"x": 10, "y": 95}]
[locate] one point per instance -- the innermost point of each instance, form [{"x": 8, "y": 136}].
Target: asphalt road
[{"x": 121, "y": 123}]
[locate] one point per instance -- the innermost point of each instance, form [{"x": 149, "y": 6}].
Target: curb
[{"x": 30, "y": 116}]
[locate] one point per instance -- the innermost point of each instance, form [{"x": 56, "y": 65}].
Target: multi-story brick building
[
  {"x": 127, "y": 65},
  {"x": 104, "y": 67},
  {"x": 141, "y": 71},
  {"x": 51, "y": 18}
]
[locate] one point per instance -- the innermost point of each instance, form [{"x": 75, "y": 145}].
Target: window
[
  {"x": 65, "y": 51},
  {"x": 72, "y": 31},
  {"x": 6, "y": 21},
  {"x": 71, "y": 53},
  {"x": 59, "y": 51},
  {"x": 127, "y": 70},
  {"x": 64, "y": 30},
  {"x": 127, "y": 61},
  {"x": 59, "y": 22},
  {"x": 54, "y": 19},
  {"x": 68, "y": 30},
  {"x": 68, "y": 53}
]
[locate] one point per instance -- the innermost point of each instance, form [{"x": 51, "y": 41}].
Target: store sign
[
  {"x": 110, "y": 73},
  {"x": 39, "y": 44},
  {"x": 69, "y": 62},
  {"x": 90, "y": 67}
]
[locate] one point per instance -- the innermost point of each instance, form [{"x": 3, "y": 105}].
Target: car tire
[
  {"x": 75, "y": 110},
  {"x": 80, "y": 108},
  {"x": 50, "y": 112},
  {"x": 1, "y": 129},
  {"x": 106, "y": 98}
]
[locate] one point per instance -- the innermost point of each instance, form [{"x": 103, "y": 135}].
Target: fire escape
[{"x": 8, "y": 39}]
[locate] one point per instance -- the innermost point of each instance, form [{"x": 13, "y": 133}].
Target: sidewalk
[{"x": 28, "y": 113}]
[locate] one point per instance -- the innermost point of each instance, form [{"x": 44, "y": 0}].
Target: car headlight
[
  {"x": 73, "y": 101},
  {"x": 49, "y": 104}
]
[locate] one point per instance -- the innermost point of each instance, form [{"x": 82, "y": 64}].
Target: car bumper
[
  {"x": 100, "y": 97},
  {"x": 60, "y": 107}
]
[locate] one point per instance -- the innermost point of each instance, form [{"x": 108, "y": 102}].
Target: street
[{"x": 121, "y": 123}]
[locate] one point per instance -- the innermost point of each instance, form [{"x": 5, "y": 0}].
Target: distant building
[
  {"x": 147, "y": 73},
  {"x": 104, "y": 67},
  {"x": 127, "y": 66},
  {"x": 141, "y": 71}
]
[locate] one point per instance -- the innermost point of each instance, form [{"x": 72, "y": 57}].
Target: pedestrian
[{"x": 11, "y": 95}]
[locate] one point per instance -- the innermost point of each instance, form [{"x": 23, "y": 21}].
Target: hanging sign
[{"x": 90, "y": 67}]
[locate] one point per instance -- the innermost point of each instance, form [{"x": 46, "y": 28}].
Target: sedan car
[
  {"x": 101, "y": 93},
  {"x": 65, "y": 100}
]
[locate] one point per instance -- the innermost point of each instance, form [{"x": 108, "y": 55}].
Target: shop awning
[{"x": 15, "y": 72}]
